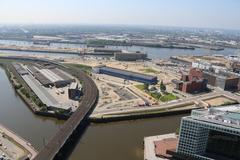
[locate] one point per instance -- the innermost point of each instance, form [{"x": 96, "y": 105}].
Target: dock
[{"x": 13, "y": 146}]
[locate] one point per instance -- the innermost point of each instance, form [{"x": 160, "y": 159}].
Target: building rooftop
[
  {"x": 129, "y": 73},
  {"x": 39, "y": 76},
  {"x": 162, "y": 146},
  {"x": 62, "y": 74},
  {"x": 50, "y": 75},
  {"x": 234, "y": 116},
  {"x": 223, "y": 74},
  {"x": 19, "y": 69},
  {"x": 43, "y": 95},
  {"x": 225, "y": 115},
  {"x": 73, "y": 85}
]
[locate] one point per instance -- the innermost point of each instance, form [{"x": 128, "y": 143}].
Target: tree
[
  {"x": 145, "y": 86},
  {"x": 162, "y": 87}
]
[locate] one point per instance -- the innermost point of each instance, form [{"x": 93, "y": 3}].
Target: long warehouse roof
[
  {"x": 50, "y": 75},
  {"x": 42, "y": 94},
  {"x": 128, "y": 73}
]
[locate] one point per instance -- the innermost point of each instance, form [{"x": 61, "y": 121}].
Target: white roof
[
  {"x": 73, "y": 85},
  {"x": 232, "y": 108},
  {"x": 50, "y": 75},
  {"x": 42, "y": 94}
]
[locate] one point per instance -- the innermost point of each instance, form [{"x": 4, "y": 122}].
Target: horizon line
[{"x": 115, "y": 25}]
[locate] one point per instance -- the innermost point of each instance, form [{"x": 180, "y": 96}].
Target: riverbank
[{"x": 135, "y": 116}]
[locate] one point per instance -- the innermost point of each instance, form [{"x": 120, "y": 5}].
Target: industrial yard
[{"x": 51, "y": 89}]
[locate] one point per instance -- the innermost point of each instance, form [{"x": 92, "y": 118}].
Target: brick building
[{"x": 193, "y": 82}]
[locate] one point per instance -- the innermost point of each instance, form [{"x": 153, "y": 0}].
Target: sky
[{"x": 183, "y": 13}]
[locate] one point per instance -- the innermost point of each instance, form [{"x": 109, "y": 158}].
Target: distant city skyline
[{"x": 183, "y": 13}]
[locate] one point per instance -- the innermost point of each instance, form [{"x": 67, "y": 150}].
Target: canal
[{"x": 112, "y": 141}]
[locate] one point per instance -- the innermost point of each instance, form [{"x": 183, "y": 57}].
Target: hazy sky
[{"x": 192, "y": 13}]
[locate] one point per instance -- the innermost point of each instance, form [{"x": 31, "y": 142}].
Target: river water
[
  {"x": 112, "y": 141},
  {"x": 153, "y": 53}
]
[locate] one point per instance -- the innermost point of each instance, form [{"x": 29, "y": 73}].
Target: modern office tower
[{"x": 211, "y": 134}]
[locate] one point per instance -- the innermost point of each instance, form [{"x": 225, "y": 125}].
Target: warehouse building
[
  {"x": 51, "y": 77},
  {"x": 180, "y": 60},
  {"x": 235, "y": 66},
  {"x": 127, "y": 75},
  {"x": 191, "y": 86},
  {"x": 195, "y": 86},
  {"x": 131, "y": 56},
  {"x": 210, "y": 134},
  {"x": 224, "y": 81},
  {"x": 74, "y": 91},
  {"x": 45, "y": 97},
  {"x": 39, "y": 76},
  {"x": 193, "y": 82},
  {"x": 19, "y": 68}
]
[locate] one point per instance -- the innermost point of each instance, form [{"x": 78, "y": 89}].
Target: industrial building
[
  {"x": 224, "y": 80},
  {"x": 50, "y": 76},
  {"x": 42, "y": 80},
  {"x": 74, "y": 91},
  {"x": 210, "y": 134},
  {"x": 41, "y": 93},
  {"x": 127, "y": 75},
  {"x": 107, "y": 50},
  {"x": 130, "y": 56},
  {"x": 20, "y": 70},
  {"x": 192, "y": 82},
  {"x": 235, "y": 66},
  {"x": 45, "y": 97},
  {"x": 207, "y": 66},
  {"x": 180, "y": 60},
  {"x": 202, "y": 65}
]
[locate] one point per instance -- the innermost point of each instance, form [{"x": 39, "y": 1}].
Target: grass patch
[
  {"x": 140, "y": 86},
  {"x": 150, "y": 70},
  {"x": 158, "y": 96},
  {"x": 168, "y": 97},
  {"x": 154, "y": 95}
]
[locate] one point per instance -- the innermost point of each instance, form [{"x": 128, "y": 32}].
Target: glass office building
[{"x": 211, "y": 134}]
